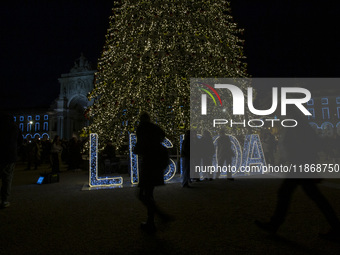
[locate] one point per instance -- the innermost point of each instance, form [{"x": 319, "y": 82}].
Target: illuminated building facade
[
  {"x": 35, "y": 123},
  {"x": 65, "y": 117},
  {"x": 72, "y": 101},
  {"x": 325, "y": 112}
]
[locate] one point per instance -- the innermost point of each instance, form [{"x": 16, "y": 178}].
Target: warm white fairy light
[{"x": 152, "y": 49}]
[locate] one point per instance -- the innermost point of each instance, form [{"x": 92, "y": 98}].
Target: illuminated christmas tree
[{"x": 152, "y": 50}]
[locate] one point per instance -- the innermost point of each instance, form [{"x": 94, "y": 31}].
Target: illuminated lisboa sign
[{"x": 251, "y": 155}]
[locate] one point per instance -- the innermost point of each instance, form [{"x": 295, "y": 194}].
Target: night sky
[{"x": 41, "y": 39}]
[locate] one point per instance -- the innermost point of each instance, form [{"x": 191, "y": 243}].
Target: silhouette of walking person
[
  {"x": 9, "y": 143},
  {"x": 55, "y": 154},
  {"x": 190, "y": 137},
  {"x": 224, "y": 153},
  {"x": 269, "y": 146},
  {"x": 154, "y": 160},
  {"x": 207, "y": 152},
  {"x": 298, "y": 146}
]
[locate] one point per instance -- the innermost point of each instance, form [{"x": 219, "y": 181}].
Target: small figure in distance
[
  {"x": 185, "y": 154},
  {"x": 9, "y": 143},
  {"x": 207, "y": 151},
  {"x": 224, "y": 153},
  {"x": 56, "y": 154}
]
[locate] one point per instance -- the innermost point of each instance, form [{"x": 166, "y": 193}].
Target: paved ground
[{"x": 213, "y": 217}]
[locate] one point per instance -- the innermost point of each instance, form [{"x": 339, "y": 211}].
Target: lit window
[
  {"x": 21, "y": 127},
  {"x": 29, "y": 118},
  {"x": 324, "y": 100},
  {"x": 325, "y": 113},
  {"x": 22, "y": 118},
  {"x": 310, "y": 102},
  {"x": 45, "y": 117},
  {"x": 311, "y": 110},
  {"x": 29, "y": 127},
  {"x": 37, "y": 117},
  {"x": 37, "y": 126},
  {"x": 45, "y": 126}
]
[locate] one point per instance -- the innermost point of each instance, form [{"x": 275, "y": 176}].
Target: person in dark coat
[
  {"x": 224, "y": 153},
  {"x": 185, "y": 154},
  {"x": 298, "y": 146},
  {"x": 207, "y": 151},
  {"x": 9, "y": 143},
  {"x": 75, "y": 159},
  {"x": 56, "y": 150},
  {"x": 154, "y": 160},
  {"x": 109, "y": 157}
]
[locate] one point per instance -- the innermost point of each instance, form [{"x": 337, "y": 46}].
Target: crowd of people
[
  {"x": 203, "y": 149},
  {"x": 296, "y": 146},
  {"x": 35, "y": 152}
]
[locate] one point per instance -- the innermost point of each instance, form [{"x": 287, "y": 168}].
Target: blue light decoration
[
  {"x": 40, "y": 180},
  {"x": 42, "y": 136},
  {"x": 27, "y": 135},
  {"x": 94, "y": 180},
  {"x": 134, "y": 170},
  {"x": 181, "y": 139},
  {"x": 252, "y": 156},
  {"x": 253, "y": 153},
  {"x": 170, "y": 171},
  {"x": 37, "y": 126},
  {"x": 237, "y": 159},
  {"x": 36, "y": 135}
]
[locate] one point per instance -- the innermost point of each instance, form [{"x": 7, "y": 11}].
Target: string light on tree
[{"x": 152, "y": 49}]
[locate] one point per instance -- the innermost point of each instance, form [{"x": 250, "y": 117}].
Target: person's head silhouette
[{"x": 145, "y": 117}]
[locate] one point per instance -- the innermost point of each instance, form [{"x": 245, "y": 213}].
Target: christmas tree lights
[{"x": 152, "y": 50}]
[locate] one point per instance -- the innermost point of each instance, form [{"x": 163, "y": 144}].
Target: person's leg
[
  {"x": 283, "y": 201},
  {"x": 146, "y": 197},
  {"x": 220, "y": 163},
  {"x": 29, "y": 161},
  {"x": 55, "y": 162},
  {"x": 150, "y": 204},
  {"x": 309, "y": 186},
  {"x": 186, "y": 172},
  {"x": 7, "y": 177},
  {"x": 36, "y": 162},
  {"x": 58, "y": 163},
  {"x": 284, "y": 196},
  {"x": 229, "y": 172}
]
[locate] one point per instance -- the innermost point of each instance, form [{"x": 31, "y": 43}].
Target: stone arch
[
  {"x": 75, "y": 117},
  {"x": 315, "y": 127},
  {"x": 77, "y": 101},
  {"x": 327, "y": 129}
]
